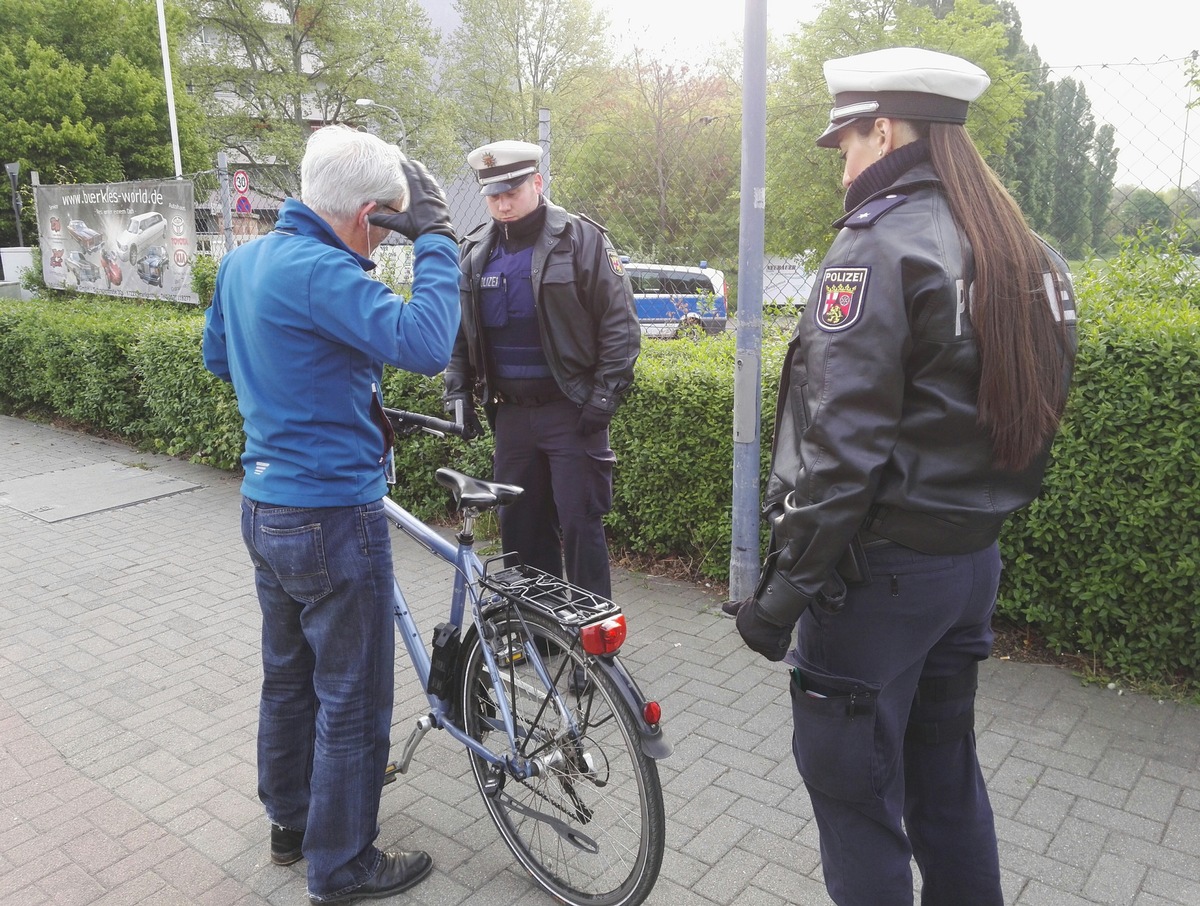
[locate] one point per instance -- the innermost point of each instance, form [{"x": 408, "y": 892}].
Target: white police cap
[
  {"x": 907, "y": 83},
  {"x": 502, "y": 166}
]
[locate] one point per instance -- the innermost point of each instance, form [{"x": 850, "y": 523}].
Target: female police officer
[{"x": 917, "y": 405}]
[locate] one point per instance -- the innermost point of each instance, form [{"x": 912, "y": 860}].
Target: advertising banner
[{"x": 119, "y": 239}]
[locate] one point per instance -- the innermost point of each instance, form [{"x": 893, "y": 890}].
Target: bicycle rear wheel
[{"x": 589, "y": 827}]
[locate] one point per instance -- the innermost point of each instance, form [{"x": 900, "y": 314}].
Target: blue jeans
[
  {"x": 881, "y": 795},
  {"x": 325, "y": 585}
]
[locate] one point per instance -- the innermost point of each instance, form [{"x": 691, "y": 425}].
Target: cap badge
[{"x": 489, "y": 159}]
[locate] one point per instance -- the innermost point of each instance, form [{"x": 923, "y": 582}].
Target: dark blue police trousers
[
  {"x": 883, "y": 702},
  {"x": 567, "y": 479}
]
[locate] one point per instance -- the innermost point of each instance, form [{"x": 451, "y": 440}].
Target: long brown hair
[{"x": 1022, "y": 348}]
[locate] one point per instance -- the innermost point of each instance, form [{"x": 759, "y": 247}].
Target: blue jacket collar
[{"x": 298, "y": 218}]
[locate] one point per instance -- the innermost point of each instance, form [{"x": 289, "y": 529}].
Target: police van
[{"x": 669, "y": 296}]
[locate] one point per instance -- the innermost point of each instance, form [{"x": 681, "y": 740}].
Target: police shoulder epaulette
[
  {"x": 870, "y": 212},
  {"x": 601, "y": 227}
]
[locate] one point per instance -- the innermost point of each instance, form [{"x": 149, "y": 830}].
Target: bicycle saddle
[{"x": 475, "y": 492}]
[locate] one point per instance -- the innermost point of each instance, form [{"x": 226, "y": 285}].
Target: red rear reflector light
[
  {"x": 604, "y": 637},
  {"x": 652, "y": 712}
]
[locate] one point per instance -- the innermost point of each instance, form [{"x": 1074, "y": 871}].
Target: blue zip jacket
[{"x": 302, "y": 331}]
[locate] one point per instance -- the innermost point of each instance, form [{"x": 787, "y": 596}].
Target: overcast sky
[{"x": 1066, "y": 32}]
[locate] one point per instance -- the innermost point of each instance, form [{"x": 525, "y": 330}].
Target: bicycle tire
[{"x": 588, "y": 837}]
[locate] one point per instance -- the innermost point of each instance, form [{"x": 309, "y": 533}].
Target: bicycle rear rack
[{"x": 568, "y": 604}]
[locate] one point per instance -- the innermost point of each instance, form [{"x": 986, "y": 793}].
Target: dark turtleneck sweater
[{"x": 885, "y": 171}]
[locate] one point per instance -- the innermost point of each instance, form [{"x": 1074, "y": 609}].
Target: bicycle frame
[{"x": 467, "y": 571}]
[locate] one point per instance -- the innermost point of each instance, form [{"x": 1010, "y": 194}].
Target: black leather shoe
[
  {"x": 397, "y": 872},
  {"x": 286, "y": 845}
]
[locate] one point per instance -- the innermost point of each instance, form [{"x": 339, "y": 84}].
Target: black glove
[
  {"x": 767, "y": 618},
  {"x": 427, "y": 210},
  {"x": 760, "y": 633},
  {"x": 593, "y": 419},
  {"x": 470, "y": 419}
]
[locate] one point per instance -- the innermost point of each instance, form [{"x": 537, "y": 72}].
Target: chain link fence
[{"x": 1102, "y": 152}]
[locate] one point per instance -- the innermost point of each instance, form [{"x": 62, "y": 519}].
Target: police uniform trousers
[
  {"x": 883, "y": 699},
  {"x": 567, "y": 479}
]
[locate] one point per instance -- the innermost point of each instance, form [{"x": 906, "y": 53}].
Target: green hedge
[
  {"x": 190, "y": 411},
  {"x": 1104, "y": 563},
  {"x": 75, "y": 359},
  {"x": 673, "y": 437}
]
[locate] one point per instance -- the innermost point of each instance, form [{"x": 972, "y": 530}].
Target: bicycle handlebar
[{"x": 401, "y": 418}]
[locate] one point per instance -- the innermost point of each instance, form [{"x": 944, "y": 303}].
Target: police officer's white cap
[
  {"x": 502, "y": 166},
  {"x": 906, "y": 83}
]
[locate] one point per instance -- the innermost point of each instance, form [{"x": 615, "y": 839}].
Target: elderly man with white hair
[{"x": 302, "y": 331}]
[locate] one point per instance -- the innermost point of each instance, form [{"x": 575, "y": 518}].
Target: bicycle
[{"x": 562, "y": 743}]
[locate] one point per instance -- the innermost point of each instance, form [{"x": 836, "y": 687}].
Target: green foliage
[
  {"x": 265, "y": 71},
  {"x": 1148, "y": 269},
  {"x": 190, "y": 412},
  {"x": 803, "y": 181},
  {"x": 508, "y": 58},
  {"x": 204, "y": 278},
  {"x": 85, "y": 101},
  {"x": 660, "y": 168},
  {"x": 73, "y": 358},
  {"x": 673, "y": 437},
  {"x": 1106, "y": 562}
]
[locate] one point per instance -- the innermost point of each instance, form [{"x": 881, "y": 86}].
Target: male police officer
[{"x": 548, "y": 341}]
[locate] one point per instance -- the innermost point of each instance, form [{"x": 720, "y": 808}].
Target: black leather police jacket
[
  {"x": 876, "y": 425},
  {"x": 585, "y": 311}
]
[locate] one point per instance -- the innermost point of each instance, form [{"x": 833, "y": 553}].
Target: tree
[
  {"x": 267, "y": 73},
  {"x": 1145, "y": 212},
  {"x": 84, "y": 95},
  {"x": 804, "y": 194},
  {"x": 1073, "y": 135},
  {"x": 511, "y": 57},
  {"x": 659, "y": 166},
  {"x": 1100, "y": 184}
]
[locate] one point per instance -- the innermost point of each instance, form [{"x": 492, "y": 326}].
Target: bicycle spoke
[{"x": 588, "y": 825}]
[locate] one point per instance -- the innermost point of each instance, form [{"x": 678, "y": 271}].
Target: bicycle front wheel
[{"x": 589, "y": 826}]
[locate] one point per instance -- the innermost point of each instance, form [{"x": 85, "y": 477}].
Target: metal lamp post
[
  {"x": 13, "y": 169},
  {"x": 367, "y": 102}
]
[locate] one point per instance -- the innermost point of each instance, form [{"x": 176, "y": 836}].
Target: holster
[
  {"x": 853, "y": 566},
  {"x": 778, "y": 600}
]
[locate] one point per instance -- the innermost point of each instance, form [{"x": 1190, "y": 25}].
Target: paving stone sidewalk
[{"x": 129, "y": 673}]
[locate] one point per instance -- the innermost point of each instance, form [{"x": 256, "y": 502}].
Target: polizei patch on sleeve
[
  {"x": 843, "y": 291},
  {"x": 614, "y": 261}
]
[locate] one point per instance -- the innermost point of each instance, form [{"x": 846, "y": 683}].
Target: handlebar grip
[{"x": 400, "y": 417}]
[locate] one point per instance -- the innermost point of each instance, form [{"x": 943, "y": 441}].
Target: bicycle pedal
[{"x": 390, "y": 772}]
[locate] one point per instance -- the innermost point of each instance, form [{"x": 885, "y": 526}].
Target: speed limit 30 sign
[{"x": 241, "y": 181}]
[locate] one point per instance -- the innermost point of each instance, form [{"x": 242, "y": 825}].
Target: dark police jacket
[
  {"x": 585, "y": 312},
  {"x": 876, "y": 422}
]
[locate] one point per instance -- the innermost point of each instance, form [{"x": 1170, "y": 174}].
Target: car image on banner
[
  {"x": 143, "y": 229},
  {"x": 131, "y": 239},
  {"x": 110, "y": 262},
  {"x": 89, "y": 240},
  {"x": 152, "y": 266},
  {"x": 82, "y": 268}
]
